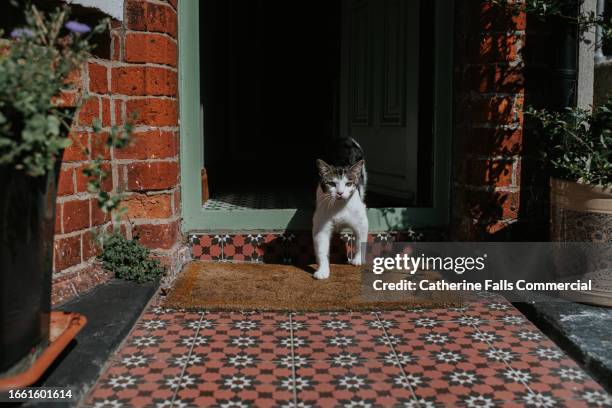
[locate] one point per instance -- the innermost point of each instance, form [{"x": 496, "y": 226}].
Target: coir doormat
[{"x": 251, "y": 286}]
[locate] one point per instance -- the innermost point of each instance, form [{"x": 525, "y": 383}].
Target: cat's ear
[
  {"x": 323, "y": 167},
  {"x": 356, "y": 169}
]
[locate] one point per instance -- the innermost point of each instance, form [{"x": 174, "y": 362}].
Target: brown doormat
[{"x": 250, "y": 286}]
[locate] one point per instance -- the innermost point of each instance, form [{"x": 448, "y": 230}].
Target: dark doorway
[
  {"x": 269, "y": 88},
  {"x": 274, "y": 91}
]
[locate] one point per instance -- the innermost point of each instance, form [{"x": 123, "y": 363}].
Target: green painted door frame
[{"x": 195, "y": 218}]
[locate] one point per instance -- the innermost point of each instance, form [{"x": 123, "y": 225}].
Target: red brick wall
[
  {"x": 488, "y": 137},
  {"x": 140, "y": 76}
]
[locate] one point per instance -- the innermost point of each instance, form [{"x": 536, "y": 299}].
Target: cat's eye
[
  {"x": 349, "y": 184},
  {"x": 331, "y": 184}
]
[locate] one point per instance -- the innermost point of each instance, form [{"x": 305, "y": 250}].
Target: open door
[{"x": 380, "y": 91}]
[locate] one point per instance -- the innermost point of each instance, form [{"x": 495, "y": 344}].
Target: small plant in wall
[{"x": 129, "y": 260}]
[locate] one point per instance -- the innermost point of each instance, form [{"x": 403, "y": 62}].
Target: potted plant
[
  {"x": 579, "y": 152},
  {"x": 36, "y": 61}
]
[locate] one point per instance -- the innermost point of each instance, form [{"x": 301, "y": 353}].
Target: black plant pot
[{"x": 27, "y": 224}]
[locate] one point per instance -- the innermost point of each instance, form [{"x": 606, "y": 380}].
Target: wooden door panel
[{"x": 381, "y": 90}]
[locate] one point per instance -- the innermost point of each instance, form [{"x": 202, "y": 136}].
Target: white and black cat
[{"x": 340, "y": 201}]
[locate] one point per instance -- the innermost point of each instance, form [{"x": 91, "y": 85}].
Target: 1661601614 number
[{"x": 37, "y": 394}]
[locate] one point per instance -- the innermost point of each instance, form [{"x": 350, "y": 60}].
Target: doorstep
[{"x": 289, "y": 247}]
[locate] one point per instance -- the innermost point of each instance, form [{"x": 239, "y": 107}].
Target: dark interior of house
[{"x": 270, "y": 89}]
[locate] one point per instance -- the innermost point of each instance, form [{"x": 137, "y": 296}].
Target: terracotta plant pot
[
  {"x": 583, "y": 213},
  {"x": 27, "y": 224}
]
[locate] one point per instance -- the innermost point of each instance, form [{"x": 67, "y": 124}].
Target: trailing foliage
[
  {"x": 579, "y": 144},
  {"x": 35, "y": 64},
  {"x": 129, "y": 260}
]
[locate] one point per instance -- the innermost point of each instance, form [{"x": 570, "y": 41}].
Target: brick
[
  {"x": 89, "y": 278},
  {"x": 154, "y": 81},
  {"x": 497, "y": 110},
  {"x": 67, "y": 286},
  {"x": 82, "y": 179},
  {"x": 65, "y": 99},
  {"x": 145, "y": 206},
  {"x": 116, "y": 46},
  {"x": 98, "y": 217},
  {"x": 177, "y": 202},
  {"x": 74, "y": 80},
  {"x": 58, "y": 218},
  {"x": 65, "y": 185},
  {"x": 496, "y": 173},
  {"x": 106, "y": 112},
  {"x": 152, "y": 176},
  {"x": 144, "y": 16},
  {"x": 77, "y": 150},
  {"x": 76, "y": 215},
  {"x": 89, "y": 111},
  {"x": 496, "y": 78},
  {"x": 499, "y": 47},
  {"x": 158, "y": 236},
  {"x": 61, "y": 290},
  {"x": 153, "y": 111},
  {"x": 118, "y": 107},
  {"x": 495, "y": 18},
  {"x": 490, "y": 207},
  {"x": 492, "y": 142},
  {"x": 91, "y": 247},
  {"x": 98, "y": 79},
  {"x": 128, "y": 80},
  {"x": 99, "y": 146},
  {"x": 153, "y": 144},
  {"x": 146, "y": 47},
  {"x": 67, "y": 252}
]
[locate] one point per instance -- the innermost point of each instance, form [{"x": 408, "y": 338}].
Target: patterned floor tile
[
  {"x": 441, "y": 342},
  {"x": 485, "y": 354},
  {"x": 220, "y": 383},
  {"x": 267, "y": 343},
  {"x": 463, "y": 383},
  {"x": 441, "y": 314},
  {"x": 324, "y": 339},
  {"x": 372, "y": 383}
]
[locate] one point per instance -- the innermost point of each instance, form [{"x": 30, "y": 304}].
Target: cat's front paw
[
  {"x": 322, "y": 273},
  {"x": 356, "y": 261}
]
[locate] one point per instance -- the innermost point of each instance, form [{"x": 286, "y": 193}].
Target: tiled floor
[
  {"x": 485, "y": 354},
  {"x": 232, "y": 201}
]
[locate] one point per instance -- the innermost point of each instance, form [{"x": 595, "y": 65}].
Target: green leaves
[
  {"x": 578, "y": 142},
  {"x": 130, "y": 260},
  {"x": 34, "y": 67}
]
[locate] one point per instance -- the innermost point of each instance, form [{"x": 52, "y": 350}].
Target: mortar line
[
  {"x": 293, "y": 381},
  {"x": 180, "y": 381},
  {"x": 397, "y": 360}
]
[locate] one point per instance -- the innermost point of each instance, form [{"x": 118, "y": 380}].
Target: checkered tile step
[
  {"x": 485, "y": 354},
  {"x": 286, "y": 247}
]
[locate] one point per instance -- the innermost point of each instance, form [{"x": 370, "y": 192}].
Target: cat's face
[{"x": 339, "y": 183}]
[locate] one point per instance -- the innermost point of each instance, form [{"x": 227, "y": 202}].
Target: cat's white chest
[{"x": 341, "y": 215}]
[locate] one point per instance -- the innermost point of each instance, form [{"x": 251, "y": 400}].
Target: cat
[{"x": 340, "y": 201}]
